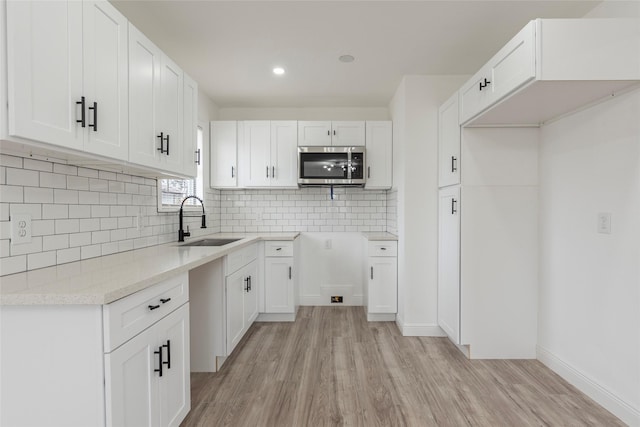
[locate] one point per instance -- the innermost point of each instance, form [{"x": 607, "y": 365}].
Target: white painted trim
[
  {"x": 419, "y": 329},
  {"x": 617, "y": 406},
  {"x": 319, "y": 300},
  {"x": 381, "y": 317},
  {"x": 276, "y": 317}
]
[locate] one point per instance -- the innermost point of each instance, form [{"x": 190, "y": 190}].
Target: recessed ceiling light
[
  {"x": 346, "y": 58},
  {"x": 278, "y": 71}
]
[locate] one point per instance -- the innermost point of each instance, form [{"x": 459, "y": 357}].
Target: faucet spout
[{"x": 181, "y": 233}]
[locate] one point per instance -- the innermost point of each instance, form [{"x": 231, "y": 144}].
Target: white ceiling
[{"x": 230, "y": 47}]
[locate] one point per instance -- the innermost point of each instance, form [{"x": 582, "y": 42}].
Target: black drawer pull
[
  {"x": 168, "y": 347},
  {"x": 160, "y": 363},
  {"x": 153, "y": 307},
  {"x": 165, "y": 300}
]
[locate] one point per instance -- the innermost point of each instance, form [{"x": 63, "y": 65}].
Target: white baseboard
[
  {"x": 381, "y": 317},
  {"x": 314, "y": 300},
  {"x": 276, "y": 317},
  {"x": 419, "y": 329},
  {"x": 621, "y": 409}
]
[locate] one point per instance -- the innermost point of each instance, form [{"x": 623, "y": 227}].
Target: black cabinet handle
[
  {"x": 168, "y": 347},
  {"x": 289, "y": 273},
  {"x": 153, "y": 307},
  {"x": 267, "y": 171},
  {"x": 328, "y": 133},
  {"x": 198, "y": 157},
  {"x": 232, "y": 172},
  {"x": 368, "y": 171},
  {"x": 165, "y": 300},
  {"x": 249, "y": 283},
  {"x": 372, "y": 273},
  {"x": 95, "y": 117},
  {"x": 82, "y": 114},
  {"x": 453, "y": 164},
  {"x": 485, "y": 83},
  {"x": 334, "y": 133},
  {"x": 246, "y": 288},
  {"x": 167, "y": 139},
  {"x": 159, "y": 353},
  {"x": 161, "y": 136},
  {"x": 273, "y": 171},
  {"x": 278, "y": 249},
  {"x": 383, "y": 249},
  {"x": 453, "y": 206}
]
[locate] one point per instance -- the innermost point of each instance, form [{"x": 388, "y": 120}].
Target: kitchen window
[{"x": 171, "y": 192}]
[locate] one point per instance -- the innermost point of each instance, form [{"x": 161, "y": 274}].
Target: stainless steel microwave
[{"x": 331, "y": 165}]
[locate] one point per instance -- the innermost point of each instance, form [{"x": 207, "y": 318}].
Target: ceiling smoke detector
[{"x": 346, "y": 58}]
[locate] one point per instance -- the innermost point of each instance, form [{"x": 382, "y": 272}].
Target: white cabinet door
[
  {"x": 284, "y": 154},
  {"x": 449, "y": 262},
  {"x": 251, "y": 295},
  {"x": 132, "y": 395},
  {"x": 171, "y": 119},
  {"x": 192, "y": 158},
  {"x": 382, "y": 292},
  {"x": 278, "y": 282},
  {"x": 379, "y": 155},
  {"x": 255, "y": 154},
  {"x": 449, "y": 143},
  {"x": 224, "y": 145},
  {"x": 235, "y": 290},
  {"x": 44, "y": 60},
  {"x": 175, "y": 390},
  {"x": 314, "y": 133},
  {"x": 144, "y": 98},
  {"x": 106, "y": 86},
  {"x": 345, "y": 134}
]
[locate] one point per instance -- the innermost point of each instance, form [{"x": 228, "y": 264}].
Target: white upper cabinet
[
  {"x": 346, "y": 133},
  {"x": 67, "y": 71},
  {"x": 379, "y": 155},
  {"x": 224, "y": 154},
  {"x": 284, "y": 154},
  {"x": 268, "y": 154},
  {"x": 552, "y": 67},
  {"x": 192, "y": 156},
  {"x": 449, "y": 143},
  {"x": 155, "y": 107},
  {"x": 145, "y": 61}
]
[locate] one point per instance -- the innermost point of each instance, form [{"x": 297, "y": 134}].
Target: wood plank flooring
[{"x": 331, "y": 367}]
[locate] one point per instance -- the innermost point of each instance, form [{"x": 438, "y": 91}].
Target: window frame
[{"x": 196, "y": 208}]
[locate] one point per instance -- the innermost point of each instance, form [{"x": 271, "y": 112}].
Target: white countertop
[
  {"x": 379, "y": 236},
  {"x": 105, "y": 279}
]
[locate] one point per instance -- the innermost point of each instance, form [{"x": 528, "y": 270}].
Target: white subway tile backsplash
[
  {"x": 55, "y": 211},
  {"x": 53, "y": 180},
  {"x": 77, "y": 183},
  {"x": 38, "y": 195},
  {"x": 65, "y": 169},
  {"x": 92, "y": 224},
  {"x": 4, "y": 248},
  {"x": 59, "y": 241},
  {"x": 108, "y": 198},
  {"x": 107, "y": 175},
  {"x": 27, "y": 248},
  {"x": 34, "y": 210},
  {"x": 10, "y": 161},
  {"x": 108, "y": 223},
  {"x": 61, "y": 197},
  {"x": 5, "y": 230},
  {"x": 41, "y": 260},
  {"x": 98, "y": 184},
  {"x": 13, "y": 264},
  {"x": 79, "y": 211},
  {"x": 89, "y": 173},
  {"x": 67, "y": 226},
  {"x": 38, "y": 165},
  {"x": 90, "y": 251},
  {"x": 116, "y": 187},
  {"x": 88, "y": 198},
  {"x": 79, "y": 239},
  {"x": 42, "y": 227},
  {"x": 11, "y": 193},
  {"x": 100, "y": 236},
  {"x": 99, "y": 211},
  {"x": 67, "y": 255}
]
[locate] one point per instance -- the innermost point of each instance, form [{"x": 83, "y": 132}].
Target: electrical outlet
[
  {"x": 604, "y": 223},
  {"x": 327, "y": 244},
  {"x": 336, "y": 299},
  {"x": 20, "y": 229}
]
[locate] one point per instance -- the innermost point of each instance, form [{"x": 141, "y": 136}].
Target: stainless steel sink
[{"x": 211, "y": 242}]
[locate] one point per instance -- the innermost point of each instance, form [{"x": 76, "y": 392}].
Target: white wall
[
  {"x": 589, "y": 297},
  {"x": 616, "y": 9},
  {"x": 414, "y": 111},
  {"x": 303, "y": 114}
]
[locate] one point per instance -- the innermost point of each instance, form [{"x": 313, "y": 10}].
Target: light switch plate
[
  {"x": 604, "y": 223},
  {"x": 20, "y": 229}
]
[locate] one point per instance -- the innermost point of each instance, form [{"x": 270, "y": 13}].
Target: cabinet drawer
[
  {"x": 383, "y": 248},
  {"x": 278, "y": 248},
  {"x": 240, "y": 258},
  {"x": 126, "y": 317}
]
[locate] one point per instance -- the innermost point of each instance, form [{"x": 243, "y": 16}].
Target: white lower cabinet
[
  {"x": 121, "y": 364},
  {"x": 279, "y": 281},
  {"x": 241, "y": 295},
  {"x": 381, "y": 285},
  {"x": 147, "y": 378}
]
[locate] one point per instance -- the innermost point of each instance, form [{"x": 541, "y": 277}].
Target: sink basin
[{"x": 211, "y": 242}]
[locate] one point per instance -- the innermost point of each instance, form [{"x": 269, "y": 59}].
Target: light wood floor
[{"x": 331, "y": 367}]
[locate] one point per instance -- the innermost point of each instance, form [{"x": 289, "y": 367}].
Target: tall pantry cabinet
[{"x": 487, "y": 244}]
